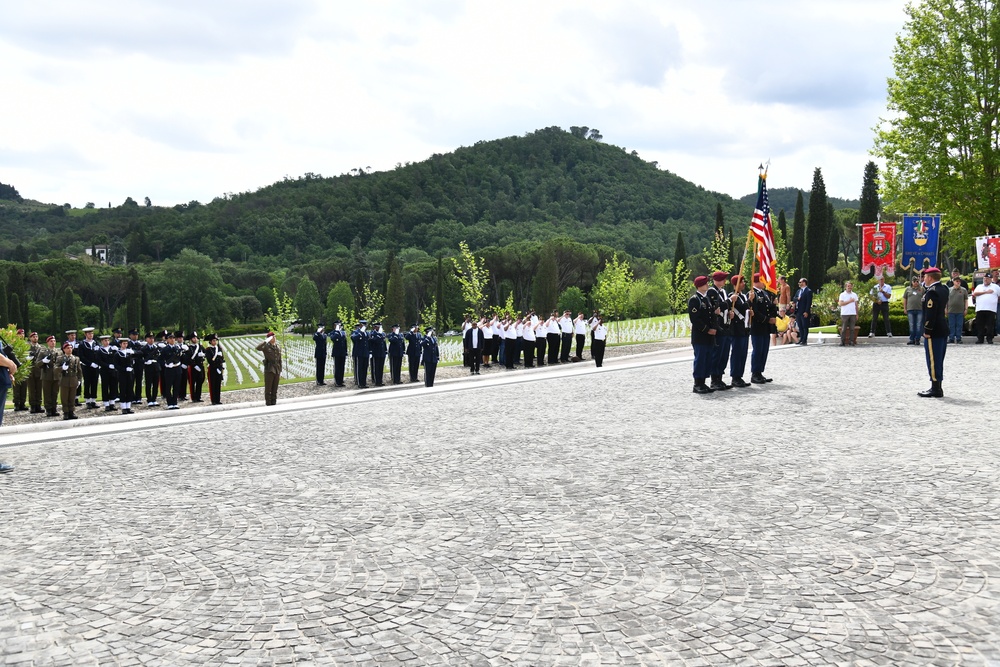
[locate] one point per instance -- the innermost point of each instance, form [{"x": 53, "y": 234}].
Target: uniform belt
[{"x": 171, "y": 365}]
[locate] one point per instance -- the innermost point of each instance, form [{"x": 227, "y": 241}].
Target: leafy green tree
[
  {"x": 279, "y": 319},
  {"x": 439, "y": 300},
  {"x": 572, "y": 299},
  {"x": 611, "y": 293},
  {"x": 544, "y": 289},
  {"x": 817, "y": 230},
  {"x": 371, "y": 304},
  {"x": 798, "y": 239},
  {"x": 339, "y": 298},
  {"x": 133, "y": 299},
  {"x": 69, "y": 317},
  {"x": 265, "y": 295},
  {"x": 395, "y": 296},
  {"x": 307, "y": 303},
  {"x": 805, "y": 266},
  {"x": 941, "y": 139},
  {"x": 189, "y": 289},
  {"x": 717, "y": 255},
  {"x": 472, "y": 279}
]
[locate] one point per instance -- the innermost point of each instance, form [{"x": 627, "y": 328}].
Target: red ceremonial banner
[
  {"x": 988, "y": 252},
  {"x": 878, "y": 248}
]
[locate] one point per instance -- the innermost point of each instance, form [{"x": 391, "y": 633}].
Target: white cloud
[{"x": 184, "y": 100}]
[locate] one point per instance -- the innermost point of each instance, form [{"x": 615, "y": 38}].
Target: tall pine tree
[
  {"x": 782, "y": 225},
  {"x": 798, "y": 240},
  {"x": 69, "y": 317},
  {"x": 439, "y": 296},
  {"x": 395, "y": 296},
  {"x": 869, "y": 208},
  {"x": 719, "y": 222},
  {"x": 545, "y": 289},
  {"x": 833, "y": 240},
  {"x": 817, "y": 231},
  {"x": 146, "y": 320},
  {"x": 680, "y": 252},
  {"x": 4, "y": 320}
]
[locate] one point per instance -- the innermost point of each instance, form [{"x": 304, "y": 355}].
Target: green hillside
[{"x": 548, "y": 184}]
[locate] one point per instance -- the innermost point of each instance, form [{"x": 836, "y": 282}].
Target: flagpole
[{"x": 746, "y": 247}]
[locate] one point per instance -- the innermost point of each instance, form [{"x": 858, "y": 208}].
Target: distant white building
[{"x": 103, "y": 252}]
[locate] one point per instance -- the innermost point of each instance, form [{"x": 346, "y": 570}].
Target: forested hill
[
  {"x": 550, "y": 183},
  {"x": 784, "y": 198}
]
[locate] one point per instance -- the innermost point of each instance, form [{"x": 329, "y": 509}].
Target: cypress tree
[
  {"x": 719, "y": 222},
  {"x": 144, "y": 316},
  {"x": 544, "y": 290},
  {"x": 782, "y": 225},
  {"x": 14, "y": 310},
  {"x": 395, "y": 296},
  {"x": 805, "y": 269},
  {"x": 439, "y": 295},
  {"x": 869, "y": 208},
  {"x": 732, "y": 250},
  {"x": 680, "y": 252},
  {"x": 797, "y": 243},
  {"x": 69, "y": 317},
  {"x": 833, "y": 242},
  {"x": 817, "y": 230}
]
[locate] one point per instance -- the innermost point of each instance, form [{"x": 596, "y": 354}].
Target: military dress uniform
[
  {"x": 216, "y": 363},
  {"x": 397, "y": 347},
  {"x": 195, "y": 358},
  {"x": 108, "y": 374},
  {"x": 359, "y": 355},
  {"x": 35, "y": 354},
  {"x": 430, "y": 353},
  {"x": 69, "y": 373},
  {"x": 19, "y": 393},
  {"x": 702, "y": 315},
  {"x": 137, "y": 347},
  {"x": 722, "y": 308},
  {"x": 378, "y": 349},
  {"x": 764, "y": 311},
  {"x": 272, "y": 368},
  {"x": 173, "y": 376},
  {"x": 50, "y": 383},
  {"x": 740, "y": 335},
  {"x": 320, "y": 339},
  {"x": 149, "y": 359},
  {"x": 413, "y": 348},
  {"x": 124, "y": 363},
  {"x": 934, "y": 304},
  {"x": 338, "y": 349}
]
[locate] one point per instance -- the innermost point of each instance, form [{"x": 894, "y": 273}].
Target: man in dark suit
[
  {"x": 320, "y": 354},
  {"x": 338, "y": 349},
  {"x": 413, "y": 348},
  {"x": 935, "y": 307},
  {"x": 360, "y": 353},
  {"x": 803, "y": 310},
  {"x": 474, "y": 347}
]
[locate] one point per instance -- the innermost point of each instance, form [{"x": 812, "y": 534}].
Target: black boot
[
  {"x": 700, "y": 388},
  {"x": 718, "y": 384},
  {"x": 739, "y": 382},
  {"x": 934, "y": 392},
  {"x": 757, "y": 378}
]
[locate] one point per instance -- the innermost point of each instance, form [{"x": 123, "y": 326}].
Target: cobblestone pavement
[{"x": 829, "y": 518}]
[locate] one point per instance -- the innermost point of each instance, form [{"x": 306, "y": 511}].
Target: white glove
[
  {"x": 219, "y": 371},
  {"x": 111, "y": 366},
  {"x": 129, "y": 369},
  {"x": 65, "y": 367},
  {"x": 94, "y": 365},
  {"x": 46, "y": 360},
  {"x": 31, "y": 357},
  {"x": 198, "y": 368},
  {"x": 184, "y": 347},
  {"x": 184, "y": 366}
]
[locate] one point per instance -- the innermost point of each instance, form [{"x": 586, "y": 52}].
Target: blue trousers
[
  {"x": 955, "y": 323},
  {"x": 702, "y": 359},
  {"x": 934, "y": 349},
  {"x": 720, "y": 354},
  {"x": 803, "y": 325},
  {"x": 761, "y": 346},
  {"x": 916, "y": 320},
  {"x": 738, "y": 356}
]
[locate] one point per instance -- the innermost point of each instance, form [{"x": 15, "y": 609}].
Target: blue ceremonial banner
[{"x": 920, "y": 239}]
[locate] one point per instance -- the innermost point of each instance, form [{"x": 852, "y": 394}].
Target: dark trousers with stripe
[{"x": 934, "y": 349}]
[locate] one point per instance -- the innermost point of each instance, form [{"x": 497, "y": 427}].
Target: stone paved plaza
[{"x": 598, "y": 518}]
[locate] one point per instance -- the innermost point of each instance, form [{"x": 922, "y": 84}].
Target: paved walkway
[{"x": 571, "y": 518}]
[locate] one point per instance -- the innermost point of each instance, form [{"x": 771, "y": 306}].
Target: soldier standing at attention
[
  {"x": 170, "y": 357},
  {"x": 149, "y": 359},
  {"x": 35, "y": 353},
  {"x": 109, "y": 378},
  {"x": 360, "y": 354},
  {"x": 338, "y": 347},
  {"x": 319, "y": 354},
  {"x": 215, "y": 363},
  {"x": 722, "y": 306},
  {"x": 413, "y": 350},
  {"x": 50, "y": 383},
  {"x": 272, "y": 368},
  {"x": 376, "y": 344},
  {"x": 702, "y": 316},
  {"x": 69, "y": 374},
  {"x": 430, "y": 354},
  {"x": 125, "y": 362},
  {"x": 196, "y": 367},
  {"x": 763, "y": 316},
  {"x": 935, "y": 307},
  {"x": 397, "y": 345},
  {"x": 740, "y": 334}
]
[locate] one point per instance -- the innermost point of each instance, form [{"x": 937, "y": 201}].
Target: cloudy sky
[{"x": 184, "y": 99}]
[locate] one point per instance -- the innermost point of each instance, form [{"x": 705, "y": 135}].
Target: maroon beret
[
  {"x": 720, "y": 275},
  {"x": 700, "y": 281},
  {"x": 931, "y": 269}
]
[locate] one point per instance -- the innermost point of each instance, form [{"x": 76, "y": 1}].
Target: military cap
[
  {"x": 71, "y": 331},
  {"x": 169, "y": 334},
  {"x": 179, "y": 334},
  {"x": 52, "y": 338},
  {"x": 429, "y": 330},
  {"x": 87, "y": 329},
  {"x": 931, "y": 270},
  {"x": 736, "y": 279},
  {"x": 756, "y": 277},
  {"x": 133, "y": 332},
  {"x": 700, "y": 281},
  {"x": 33, "y": 333},
  {"x": 720, "y": 275},
  {"x": 269, "y": 334},
  {"x": 67, "y": 344},
  {"x": 150, "y": 334},
  {"x": 20, "y": 331},
  {"x": 103, "y": 336},
  {"x": 212, "y": 337},
  {"x": 362, "y": 321},
  {"x": 193, "y": 334}
]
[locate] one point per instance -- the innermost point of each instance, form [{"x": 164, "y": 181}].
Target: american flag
[{"x": 763, "y": 235}]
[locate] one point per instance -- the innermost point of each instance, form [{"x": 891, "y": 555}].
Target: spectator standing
[
  {"x": 958, "y": 303},
  {"x": 848, "y": 302},
  {"x": 985, "y": 298},
  {"x": 881, "y": 294},
  {"x": 784, "y": 293},
  {"x": 912, "y": 298}
]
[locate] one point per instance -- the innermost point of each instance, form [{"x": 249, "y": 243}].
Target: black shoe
[
  {"x": 6, "y": 468},
  {"x": 757, "y": 378},
  {"x": 68, "y": 417},
  {"x": 740, "y": 383},
  {"x": 934, "y": 392},
  {"x": 126, "y": 411},
  {"x": 702, "y": 389},
  {"x": 51, "y": 414}
]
